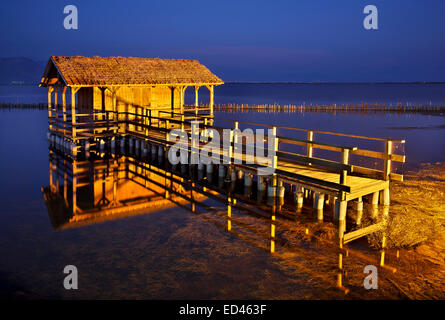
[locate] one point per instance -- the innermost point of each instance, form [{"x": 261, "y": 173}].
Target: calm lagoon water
[
  {"x": 281, "y": 93},
  {"x": 172, "y": 253}
]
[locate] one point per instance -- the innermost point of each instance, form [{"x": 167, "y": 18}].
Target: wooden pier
[{"x": 304, "y": 166}]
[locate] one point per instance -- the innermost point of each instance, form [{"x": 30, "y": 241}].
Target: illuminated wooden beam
[
  {"x": 64, "y": 108},
  {"x": 50, "y": 90},
  {"x": 73, "y": 111}
]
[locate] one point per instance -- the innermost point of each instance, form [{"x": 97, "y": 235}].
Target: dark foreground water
[{"x": 171, "y": 253}]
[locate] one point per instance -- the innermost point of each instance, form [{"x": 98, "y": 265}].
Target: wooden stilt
[
  {"x": 375, "y": 198},
  {"x": 56, "y": 100},
  {"x": 172, "y": 105},
  {"x": 386, "y": 199},
  {"x": 73, "y": 112},
  {"x": 211, "y": 99},
  {"x": 196, "y": 100},
  {"x": 181, "y": 99},
  {"x": 64, "y": 109},
  {"x": 50, "y": 90},
  {"x": 359, "y": 208},
  {"x": 318, "y": 205}
]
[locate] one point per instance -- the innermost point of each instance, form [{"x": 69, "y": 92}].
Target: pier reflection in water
[{"x": 95, "y": 187}]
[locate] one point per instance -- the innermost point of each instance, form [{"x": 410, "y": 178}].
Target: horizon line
[{"x": 287, "y": 82}]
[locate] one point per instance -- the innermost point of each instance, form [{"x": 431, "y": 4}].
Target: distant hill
[{"x": 18, "y": 70}]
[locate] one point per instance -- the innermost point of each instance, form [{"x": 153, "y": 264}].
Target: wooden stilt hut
[{"x": 105, "y": 89}]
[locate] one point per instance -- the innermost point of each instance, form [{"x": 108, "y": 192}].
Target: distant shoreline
[
  {"x": 277, "y": 82},
  {"x": 328, "y": 82}
]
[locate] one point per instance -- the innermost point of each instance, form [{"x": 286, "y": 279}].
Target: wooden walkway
[{"x": 335, "y": 181}]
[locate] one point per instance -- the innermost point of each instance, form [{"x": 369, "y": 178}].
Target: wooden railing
[{"x": 125, "y": 123}]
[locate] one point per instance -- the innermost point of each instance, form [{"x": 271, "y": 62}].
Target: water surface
[{"x": 173, "y": 253}]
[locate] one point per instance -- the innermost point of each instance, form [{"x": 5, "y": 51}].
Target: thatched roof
[{"x": 102, "y": 71}]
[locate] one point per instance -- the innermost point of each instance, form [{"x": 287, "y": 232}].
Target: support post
[
  {"x": 56, "y": 89},
  {"x": 309, "y": 150},
  {"x": 196, "y": 100},
  {"x": 386, "y": 197},
  {"x": 73, "y": 112},
  {"x": 50, "y": 90},
  {"x": 318, "y": 204},
  {"x": 64, "y": 109},
  {"x": 359, "y": 207},
  {"x": 172, "y": 106},
  {"x": 181, "y": 99},
  {"x": 272, "y": 189},
  {"x": 344, "y": 160},
  {"x": 211, "y": 99},
  {"x": 388, "y": 152},
  {"x": 299, "y": 197}
]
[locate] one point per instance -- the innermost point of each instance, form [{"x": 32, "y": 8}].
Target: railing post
[
  {"x": 387, "y": 167},
  {"x": 272, "y": 189},
  {"x": 146, "y": 122},
  {"x": 149, "y": 118},
  {"x": 275, "y": 147},
  {"x": 236, "y": 142},
  {"x": 310, "y": 137},
  {"x": 344, "y": 160}
]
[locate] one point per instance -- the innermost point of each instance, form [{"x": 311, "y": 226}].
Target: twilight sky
[{"x": 295, "y": 40}]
